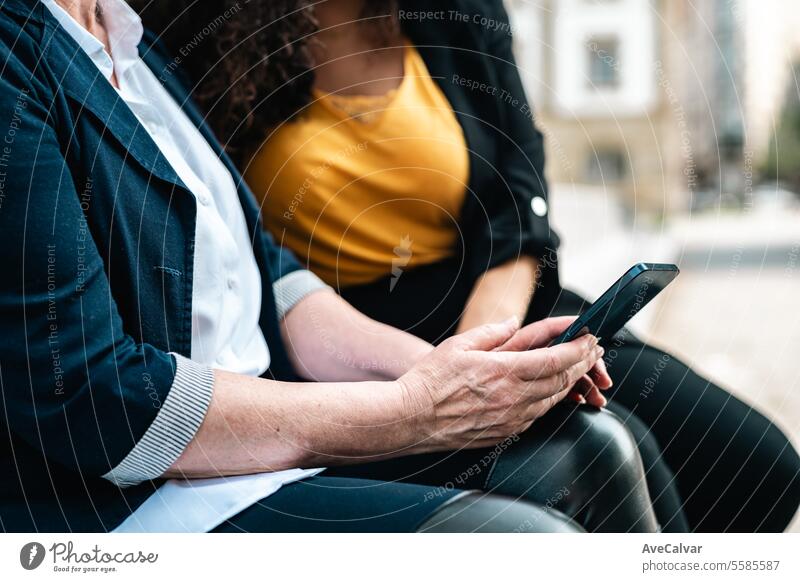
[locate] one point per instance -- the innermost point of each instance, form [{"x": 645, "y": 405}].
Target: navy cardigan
[{"x": 97, "y": 239}]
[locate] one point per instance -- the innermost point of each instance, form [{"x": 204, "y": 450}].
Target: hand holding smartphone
[{"x": 621, "y": 302}]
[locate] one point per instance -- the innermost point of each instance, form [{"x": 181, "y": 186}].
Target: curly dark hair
[{"x": 249, "y": 63}]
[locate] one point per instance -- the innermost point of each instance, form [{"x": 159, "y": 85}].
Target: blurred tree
[{"x": 783, "y": 160}]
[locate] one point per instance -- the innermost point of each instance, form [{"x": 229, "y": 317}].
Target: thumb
[{"x": 489, "y": 336}]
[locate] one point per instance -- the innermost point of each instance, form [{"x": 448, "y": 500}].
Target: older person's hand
[
  {"x": 540, "y": 334},
  {"x": 467, "y": 393}
]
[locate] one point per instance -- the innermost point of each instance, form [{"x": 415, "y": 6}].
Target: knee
[
  {"x": 761, "y": 491},
  {"x": 792, "y": 471},
  {"x": 780, "y": 483},
  {"x": 478, "y": 512},
  {"x": 793, "y": 489},
  {"x": 574, "y": 448},
  {"x": 605, "y": 448},
  {"x": 585, "y": 463}
]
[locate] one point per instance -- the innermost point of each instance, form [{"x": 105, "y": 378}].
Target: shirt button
[
  {"x": 231, "y": 283},
  {"x": 204, "y": 199},
  {"x": 539, "y": 206}
]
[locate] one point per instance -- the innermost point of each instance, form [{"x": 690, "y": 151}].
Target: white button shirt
[
  {"x": 226, "y": 292},
  {"x": 226, "y": 288}
]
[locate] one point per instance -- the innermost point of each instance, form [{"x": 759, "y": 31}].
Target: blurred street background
[{"x": 673, "y": 134}]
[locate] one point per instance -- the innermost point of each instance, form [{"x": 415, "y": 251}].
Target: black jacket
[
  {"x": 466, "y": 45},
  {"x": 97, "y": 236}
]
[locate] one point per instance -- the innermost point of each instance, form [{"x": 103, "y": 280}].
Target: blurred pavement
[{"x": 733, "y": 313}]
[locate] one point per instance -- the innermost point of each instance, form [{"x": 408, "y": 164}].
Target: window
[
  {"x": 605, "y": 165},
  {"x": 604, "y": 64}
]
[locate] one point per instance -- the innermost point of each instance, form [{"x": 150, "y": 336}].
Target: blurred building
[
  {"x": 771, "y": 44},
  {"x": 708, "y": 66},
  {"x": 647, "y": 98},
  {"x": 773, "y": 84}
]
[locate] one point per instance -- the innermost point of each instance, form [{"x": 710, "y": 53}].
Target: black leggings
[
  {"x": 734, "y": 470},
  {"x": 594, "y": 480},
  {"x": 713, "y": 463}
]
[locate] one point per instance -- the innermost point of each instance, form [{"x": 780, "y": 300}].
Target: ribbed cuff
[
  {"x": 291, "y": 288},
  {"x": 174, "y": 427}
]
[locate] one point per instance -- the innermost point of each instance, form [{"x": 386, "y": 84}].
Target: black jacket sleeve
[
  {"x": 74, "y": 385},
  {"x": 519, "y": 223}
]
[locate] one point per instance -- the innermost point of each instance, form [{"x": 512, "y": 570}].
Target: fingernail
[
  {"x": 599, "y": 351},
  {"x": 512, "y": 321}
]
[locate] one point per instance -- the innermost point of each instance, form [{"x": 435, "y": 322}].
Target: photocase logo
[
  {"x": 402, "y": 255},
  {"x": 31, "y": 555}
]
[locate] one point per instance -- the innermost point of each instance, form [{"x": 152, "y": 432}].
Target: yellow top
[{"x": 360, "y": 187}]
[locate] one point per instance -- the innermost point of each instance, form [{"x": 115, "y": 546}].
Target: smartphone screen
[{"x": 622, "y": 301}]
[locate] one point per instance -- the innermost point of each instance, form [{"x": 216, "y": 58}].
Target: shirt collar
[{"x": 124, "y": 28}]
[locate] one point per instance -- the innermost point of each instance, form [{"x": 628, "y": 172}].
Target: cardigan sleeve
[
  {"x": 75, "y": 386},
  {"x": 519, "y": 222}
]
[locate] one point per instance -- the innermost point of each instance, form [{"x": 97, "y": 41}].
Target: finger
[
  {"x": 537, "y": 334},
  {"x": 589, "y": 391},
  {"x": 546, "y": 362},
  {"x": 567, "y": 379},
  {"x": 600, "y": 375},
  {"x": 595, "y": 398},
  {"x": 540, "y": 406},
  {"x": 487, "y": 337},
  {"x": 575, "y": 397},
  {"x": 584, "y": 385}
]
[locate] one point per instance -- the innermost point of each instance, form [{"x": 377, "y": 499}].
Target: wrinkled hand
[
  {"x": 540, "y": 334},
  {"x": 469, "y": 393}
]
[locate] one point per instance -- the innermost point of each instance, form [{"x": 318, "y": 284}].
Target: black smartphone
[{"x": 621, "y": 302}]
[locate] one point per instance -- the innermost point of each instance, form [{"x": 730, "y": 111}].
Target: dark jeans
[
  {"x": 593, "y": 480},
  {"x": 713, "y": 463},
  {"x": 346, "y": 505}
]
